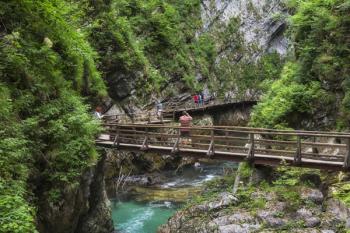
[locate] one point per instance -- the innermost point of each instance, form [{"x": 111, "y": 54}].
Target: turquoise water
[
  {"x": 134, "y": 217},
  {"x": 131, "y": 216}
]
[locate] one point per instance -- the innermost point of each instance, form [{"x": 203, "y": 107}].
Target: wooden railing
[
  {"x": 124, "y": 118},
  {"x": 328, "y": 150},
  {"x": 169, "y": 113},
  {"x": 192, "y": 105}
]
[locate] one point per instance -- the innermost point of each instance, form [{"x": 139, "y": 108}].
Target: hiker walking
[
  {"x": 195, "y": 100},
  {"x": 185, "y": 122},
  {"x": 159, "y": 108},
  {"x": 98, "y": 112}
]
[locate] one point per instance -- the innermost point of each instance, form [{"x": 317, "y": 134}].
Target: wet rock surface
[
  {"x": 225, "y": 214},
  {"x": 82, "y": 209}
]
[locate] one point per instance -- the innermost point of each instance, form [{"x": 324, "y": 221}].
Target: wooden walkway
[
  {"x": 171, "y": 113},
  {"x": 175, "y": 111},
  {"x": 137, "y": 118},
  {"x": 311, "y": 149}
]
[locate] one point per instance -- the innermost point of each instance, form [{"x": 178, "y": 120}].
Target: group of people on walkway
[{"x": 198, "y": 99}]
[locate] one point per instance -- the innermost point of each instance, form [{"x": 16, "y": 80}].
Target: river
[{"x": 145, "y": 209}]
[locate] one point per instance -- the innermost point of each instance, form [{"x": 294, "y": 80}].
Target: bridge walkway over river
[{"x": 312, "y": 149}]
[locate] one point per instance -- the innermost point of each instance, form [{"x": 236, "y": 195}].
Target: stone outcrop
[
  {"x": 273, "y": 208},
  {"x": 83, "y": 208},
  {"x": 262, "y": 21}
]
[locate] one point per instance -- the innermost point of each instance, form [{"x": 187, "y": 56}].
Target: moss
[
  {"x": 341, "y": 191},
  {"x": 245, "y": 170}
]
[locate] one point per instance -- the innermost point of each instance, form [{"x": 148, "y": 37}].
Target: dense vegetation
[
  {"x": 144, "y": 45},
  {"x": 314, "y": 85},
  {"x": 56, "y": 55},
  {"x": 47, "y": 134}
]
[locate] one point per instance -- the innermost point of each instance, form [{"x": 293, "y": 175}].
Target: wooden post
[
  {"x": 297, "y": 157},
  {"x": 347, "y": 155},
  {"x": 211, "y": 150},
  {"x": 116, "y": 139},
  {"x": 177, "y": 142},
  {"x": 145, "y": 141},
  {"x": 116, "y": 118},
  {"x": 314, "y": 149},
  {"x": 174, "y": 112},
  {"x": 250, "y": 156},
  {"x": 161, "y": 116},
  {"x": 149, "y": 118}
]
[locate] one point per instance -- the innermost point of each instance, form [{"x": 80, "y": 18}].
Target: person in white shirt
[{"x": 98, "y": 113}]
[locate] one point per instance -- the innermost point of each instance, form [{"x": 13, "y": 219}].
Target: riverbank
[
  {"x": 143, "y": 207},
  {"x": 267, "y": 200}
]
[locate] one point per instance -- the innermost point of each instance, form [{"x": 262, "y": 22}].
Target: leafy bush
[
  {"x": 46, "y": 129},
  {"x": 319, "y": 72}
]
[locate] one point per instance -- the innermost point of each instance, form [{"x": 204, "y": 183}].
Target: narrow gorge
[{"x": 77, "y": 75}]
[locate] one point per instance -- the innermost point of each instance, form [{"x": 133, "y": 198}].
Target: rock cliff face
[
  {"x": 242, "y": 32},
  {"x": 261, "y": 22},
  {"x": 82, "y": 209}
]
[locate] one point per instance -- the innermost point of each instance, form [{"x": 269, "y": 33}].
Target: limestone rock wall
[
  {"x": 262, "y": 21},
  {"x": 83, "y": 208}
]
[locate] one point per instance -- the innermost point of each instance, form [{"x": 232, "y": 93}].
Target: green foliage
[
  {"x": 320, "y": 71},
  {"x": 286, "y": 99},
  {"x": 342, "y": 192},
  {"x": 16, "y": 215},
  {"x": 245, "y": 170},
  {"x": 150, "y": 42},
  {"x": 46, "y": 129}
]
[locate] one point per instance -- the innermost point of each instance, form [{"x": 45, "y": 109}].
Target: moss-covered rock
[{"x": 284, "y": 203}]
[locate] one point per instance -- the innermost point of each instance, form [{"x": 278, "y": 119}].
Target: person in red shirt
[
  {"x": 195, "y": 99},
  {"x": 185, "y": 122}
]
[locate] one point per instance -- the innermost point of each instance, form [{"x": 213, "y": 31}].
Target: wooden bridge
[
  {"x": 312, "y": 149},
  {"x": 171, "y": 113},
  {"x": 212, "y": 106}
]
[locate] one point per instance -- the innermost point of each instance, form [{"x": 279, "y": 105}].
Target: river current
[{"x": 145, "y": 211}]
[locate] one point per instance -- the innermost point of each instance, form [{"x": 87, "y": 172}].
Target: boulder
[
  {"x": 313, "y": 195},
  {"x": 339, "y": 211},
  {"x": 312, "y": 221},
  {"x": 236, "y": 228}
]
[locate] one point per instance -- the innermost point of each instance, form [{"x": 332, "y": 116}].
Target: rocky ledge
[{"x": 278, "y": 206}]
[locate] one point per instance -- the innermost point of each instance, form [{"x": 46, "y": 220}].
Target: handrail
[
  {"x": 238, "y": 129},
  {"x": 258, "y": 144}
]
